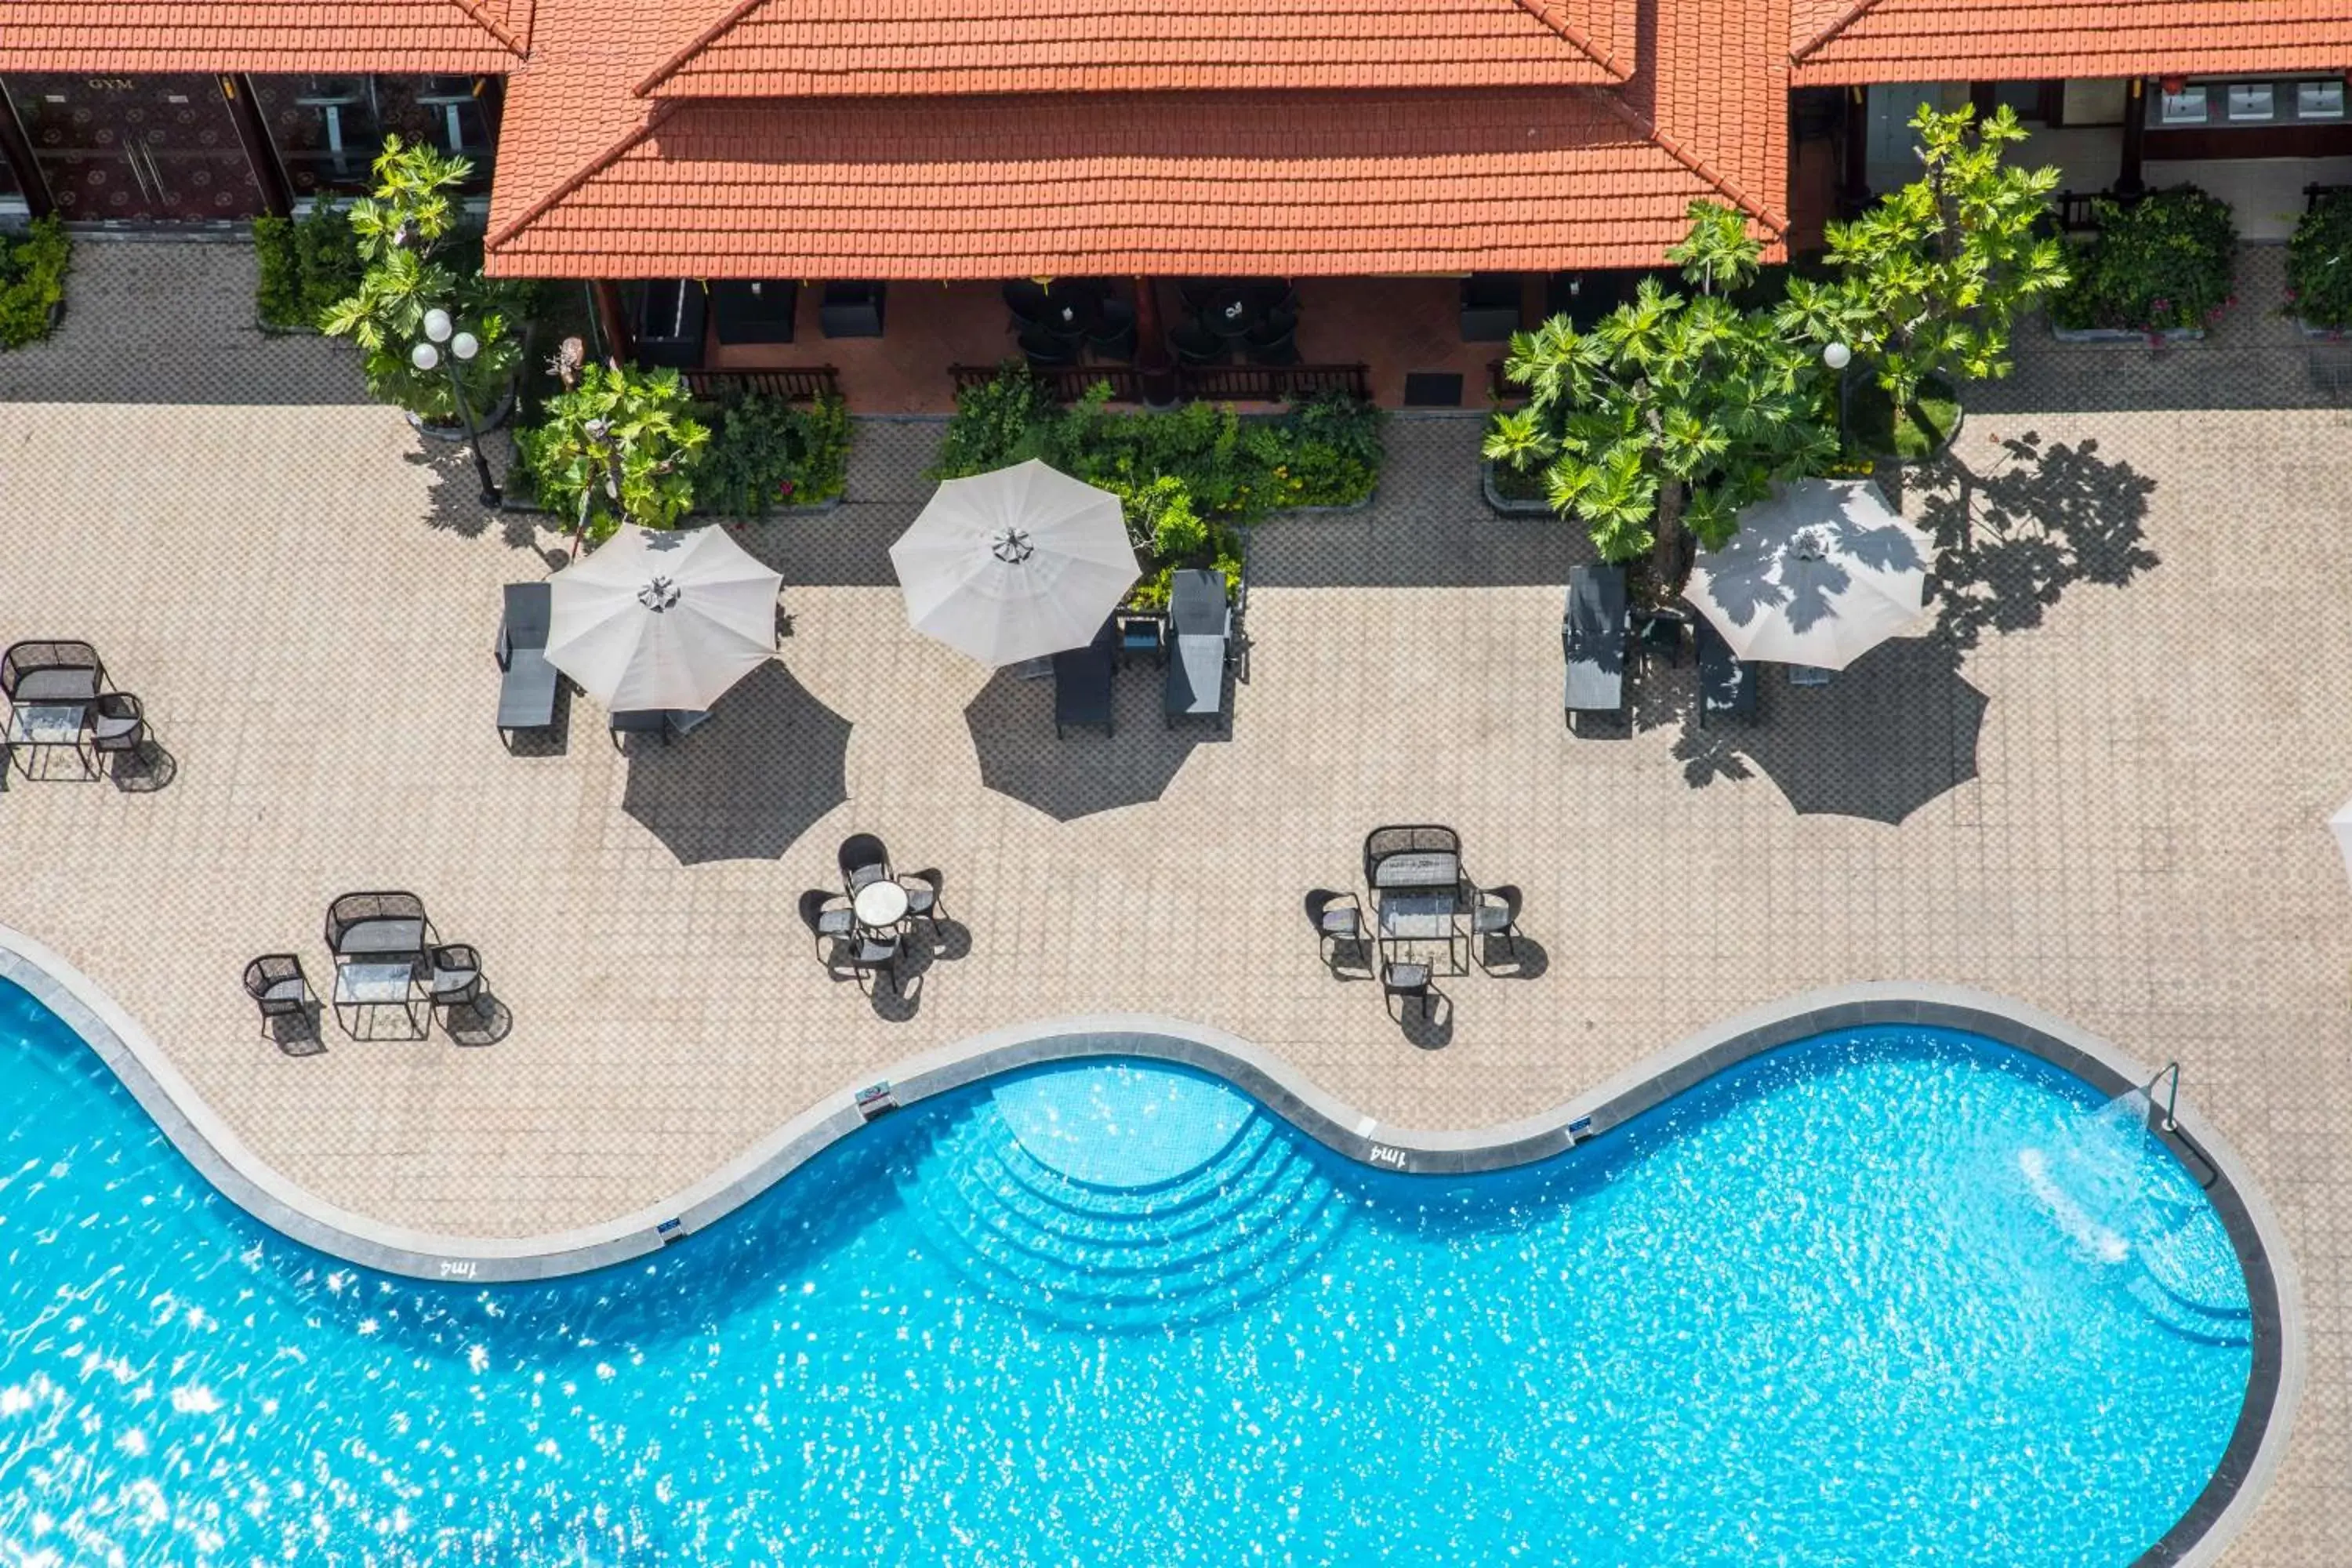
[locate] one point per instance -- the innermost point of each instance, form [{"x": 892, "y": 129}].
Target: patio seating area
[{"x": 2049, "y": 797}]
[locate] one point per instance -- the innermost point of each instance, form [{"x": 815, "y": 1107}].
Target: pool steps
[{"x": 1240, "y": 1225}]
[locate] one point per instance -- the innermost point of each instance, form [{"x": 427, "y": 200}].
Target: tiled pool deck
[{"x": 2133, "y": 840}]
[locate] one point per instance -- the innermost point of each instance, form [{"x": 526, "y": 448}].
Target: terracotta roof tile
[
  {"x": 1838, "y": 41},
  {"x": 766, "y": 48},
  {"x": 1302, "y": 184},
  {"x": 457, "y": 36}
]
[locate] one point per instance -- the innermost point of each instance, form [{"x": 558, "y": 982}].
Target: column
[
  {"x": 1153, "y": 368},
  {"x": 2128, "y": 183},
  {"x": 612, "y": 320}
]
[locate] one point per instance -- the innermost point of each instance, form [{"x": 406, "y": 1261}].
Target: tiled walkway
[{"x": 2102, "y": 791}]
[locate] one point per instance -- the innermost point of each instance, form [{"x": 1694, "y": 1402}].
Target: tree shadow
[
  {"x": 1083, "y": 771},
  {"x": 2014, "y": 539},
  {"x": 766, "y": 767}
]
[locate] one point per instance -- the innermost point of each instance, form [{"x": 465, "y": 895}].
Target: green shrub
[
  {"x": 767, "y": 452},
  {"x": 2163, "y": 261},
  {"x": 2319, "y": 265},
  {"x": 306, "y": 266},
  {"x": 616, "y": 446},
  {"x": 32, "y": 280},
  {"x": 1325, "y": 451}
]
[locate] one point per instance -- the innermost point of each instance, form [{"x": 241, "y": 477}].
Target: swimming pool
[{"x": 1885, "y": 1295}]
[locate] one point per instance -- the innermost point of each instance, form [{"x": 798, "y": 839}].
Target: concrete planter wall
[
  {"x": 1503, "y": 505},
  {"x": 2126, "y": 335}
]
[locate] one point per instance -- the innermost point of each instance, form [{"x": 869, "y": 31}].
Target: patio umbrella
[
  {"x": 1014, "y": 564},
  {"x": 1820, "y": 574},
  {"x": 662, "y": 620},
  {"x": 2341, "y": 826}
]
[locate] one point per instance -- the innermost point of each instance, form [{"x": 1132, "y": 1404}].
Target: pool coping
[{"x": 2256, "y": 1447}]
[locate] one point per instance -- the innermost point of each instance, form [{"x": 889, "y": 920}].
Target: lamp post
[
  {"x": 1838, "y": 357},
  {"x": 462, "y": 346}
]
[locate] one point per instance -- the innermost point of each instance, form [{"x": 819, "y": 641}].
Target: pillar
[
  {"x": 1153, "y": 368},
  {"x": 612, "y": 320},
  {"x": 1853, "y": 182},
  {"x": 2128, "y": 183}
]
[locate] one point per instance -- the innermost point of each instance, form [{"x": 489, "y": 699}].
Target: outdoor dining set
[
  {"x": 1067, "y": 321},
  {"x": 1817, "y": 576},
  {"x": 869, "y": 919},
  {"x": 1428, "y": 918},
  {"x": 386, "y": 954},
  {"x": 59, "y": 699}
]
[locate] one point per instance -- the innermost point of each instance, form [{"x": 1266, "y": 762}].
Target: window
[
  {"x": 327, "y": 128},
  {"x": 2186, "y": 107},
  {"x": 2319, "y": 99},
  {"x": 2252, "y": 99}
]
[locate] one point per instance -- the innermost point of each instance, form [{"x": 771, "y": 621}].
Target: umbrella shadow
[
  {"x": 1891, "y": 732},
  {"x": 767, "y": 766},
  {"x": 1084, "y": 771}
]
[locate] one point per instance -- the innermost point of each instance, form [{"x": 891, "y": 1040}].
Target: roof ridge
[
  {"x": 1846, "y": 18},
  {"x": 1673, "y": 148},
  {"x": 479, "y": 12},
  {"x": 1555, "y": 17},
  {"x": 661, "y": 110},
  {"x": 701, "y": 41}
]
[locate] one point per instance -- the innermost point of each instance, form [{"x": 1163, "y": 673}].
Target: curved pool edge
[{"x": 2255, "y": 1452}]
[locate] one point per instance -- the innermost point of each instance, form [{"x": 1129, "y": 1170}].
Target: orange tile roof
[
  {"x": 454, "y": 37},
  {"x": 1101, "y": 185},
  {"x": 596, "y": 182},
  {"x": 771, "y": 49},
  {"x": 1838, "y": 42}
]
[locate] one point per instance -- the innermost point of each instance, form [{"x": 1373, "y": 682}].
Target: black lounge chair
[
  {"x": 456, "y": 980},
  {"x": 863, "y": 858},
  {"x": 1201, "y": 632},
  {"x": 1592, "y": 635},
  {"x": 1082, "y": 679},
  {"x": 1726, "y": 683},
  {"x": 527, "y": 688},
  {"x": 276, "y": 983}
]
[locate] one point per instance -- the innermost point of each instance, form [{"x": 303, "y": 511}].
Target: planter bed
[{"x": 1508, "y": 506}]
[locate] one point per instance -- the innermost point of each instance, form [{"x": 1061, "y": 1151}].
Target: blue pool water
[{"x": 1892, "y": 1296}]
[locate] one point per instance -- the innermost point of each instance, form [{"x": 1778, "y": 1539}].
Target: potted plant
[
  {"x": 616, "y": 446},
  {"x": 2160, "y": 270},
  {"x": 403, "y": 233},
  {"x": 2319, "y": 268}
]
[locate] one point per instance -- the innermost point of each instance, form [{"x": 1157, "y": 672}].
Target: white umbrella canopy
[
  {"x": 1819, "y": 575},
  {"x": 2341, "y": 826},
  {"x": 662, "y": 620},
  {"x": 1016, "y": 565}
]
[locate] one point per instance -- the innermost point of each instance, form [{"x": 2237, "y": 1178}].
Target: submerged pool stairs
[{"x": 1096, "y": 1257}]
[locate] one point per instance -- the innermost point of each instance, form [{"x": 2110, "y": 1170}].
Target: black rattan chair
[
  {"x": 1660, "y": 631},
  {"x": 863, "y": 859},
  {"x": 871, "y": 955},
  {"x": 118, "y": 725},
  {"x": 276, "y": 983},
  {"x": 1495, "y": 911},
  {"x": 1399, "y": 981},
  {"x": 1193, "y": 343},
  {"x": 29, "y": 671},
  {"x": 1336, "y": 917},
  {"x": 923, "y": 889},
  {"x": 390, "y": 918},
  {"x": 458, "y": 979},
  {"x": 828, "y": 916}
]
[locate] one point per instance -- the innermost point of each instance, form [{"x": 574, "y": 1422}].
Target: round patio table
[{"x": 880, "y": 905}]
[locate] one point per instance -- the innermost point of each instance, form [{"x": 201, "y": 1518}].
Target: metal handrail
[{"x": 2172, "y": 1100}]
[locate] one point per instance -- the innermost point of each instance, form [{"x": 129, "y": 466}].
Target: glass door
[{"x": 136, "y": 147}]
